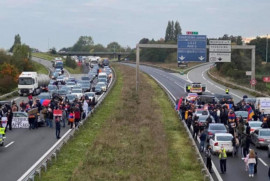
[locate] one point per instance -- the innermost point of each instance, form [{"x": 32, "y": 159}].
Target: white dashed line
[
  {"x": 9, "y": 144},
  {"x": 263, "y": 162}
]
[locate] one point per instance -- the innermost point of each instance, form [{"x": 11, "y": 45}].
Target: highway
[
  {"x": 23, "y": 147},
  {"x": 175, "y": 84}
]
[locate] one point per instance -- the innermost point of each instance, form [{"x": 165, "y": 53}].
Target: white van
[
  {"x": 102, "y": 75},
  {"x": 263, "y": 104}
]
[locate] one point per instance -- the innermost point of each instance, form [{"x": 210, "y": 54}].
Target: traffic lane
[
  {"x": 28, "y": 147},
  {"x": 171, "y": 82},
  {"x": 200, "y": 75},
  {"x": 236, "y": 169}
]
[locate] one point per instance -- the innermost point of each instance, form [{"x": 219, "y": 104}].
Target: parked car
[
  {"x": 70, "y": 84},
  {"x": 77, "y": 92},
  {"x": 244, "y": 115},
  {"x": 254, "y": 125},
  {"x": 219, "y": 140},
  {"x": 71, "y": 97},
  {"x": 98, "y": 89},
  {"x": 44, "y": 95},
  {"x": 261, "y": 137},
  {"x": 202, "y": 121},
  {"x": 92, "y": 96},
  {"x": 215, "y": 128}
]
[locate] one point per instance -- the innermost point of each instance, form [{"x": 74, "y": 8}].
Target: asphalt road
[
  {"x": 175, "y": 83},
  {"x": 23, "y": 147}
]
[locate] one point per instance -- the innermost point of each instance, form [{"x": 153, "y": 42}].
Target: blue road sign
[{"x": 191, "y": 48}]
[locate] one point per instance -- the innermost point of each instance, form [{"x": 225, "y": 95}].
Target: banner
[
  {"x": 20, "y": 122},
  {"x": 57, "y": 112}
]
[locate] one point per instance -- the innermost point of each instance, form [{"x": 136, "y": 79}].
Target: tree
[
  {"x": 53, "y": 51},
  {"x": 168, "y": 31},
  {"x": 144, "y": 41},
  {"x": 70, "y": 62},
  {"x": 17, "y": 41},
  {"x": 177, "y": 30},
  {"x": 84, "y": 44},
  {"x": 22, "y": 56},
  {"x": 113, "y": 47},
  {"x": 98, "y": 48},
  {"x": 171, "y": 37}
]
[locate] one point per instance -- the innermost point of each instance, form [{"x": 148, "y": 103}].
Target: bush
[{"x": 70, "y": 63}]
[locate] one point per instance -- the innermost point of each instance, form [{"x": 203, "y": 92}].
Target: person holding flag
[{"x": 250, "y": 112}]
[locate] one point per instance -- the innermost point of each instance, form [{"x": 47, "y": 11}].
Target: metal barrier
[
  {"x": 52, "y": 152},
  {"x": 207, "y": 175}
]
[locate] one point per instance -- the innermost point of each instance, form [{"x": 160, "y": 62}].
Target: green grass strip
[
  {"x": 182, "y": 156},
  {"x": 74, "y": 153}
]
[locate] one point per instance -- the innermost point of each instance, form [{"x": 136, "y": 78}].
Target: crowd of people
[
  {"x": 224, "y": 112},
  {"x": 71, "y": 112}
]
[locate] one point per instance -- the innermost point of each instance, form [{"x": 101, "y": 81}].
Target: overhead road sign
[
  {"x": 220, "y": 48},
  {"x": 219, "y": 42},
  {"x": 219, "y": 57},
  {"x": 191, "y": 48}
]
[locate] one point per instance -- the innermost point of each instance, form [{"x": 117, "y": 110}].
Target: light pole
[{"x": 266, "y": 54}]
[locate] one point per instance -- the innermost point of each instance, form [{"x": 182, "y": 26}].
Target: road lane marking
[
  {"x": 9, "y": 144},
  {"x": 263, "y": 162},
  {"x": 16, "y": 98}
]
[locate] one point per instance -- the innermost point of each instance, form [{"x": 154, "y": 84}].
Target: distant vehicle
[
  {"x": 71, "y": 98},
  {"x": 196, "y": 88},
  {"x": 31, "y": 83},
  {"x": 105, "y": 81},
  {"x": 105, "y": 62},
  {"x": 72, "y": 79},
  {"x": 261, "y": 137},
  {"x": 202, "y": 121},
  {"x": 59, "y": 71},
  {"x": 52, "y": 89},
  {"x": 219, "y": 140},
  {"x": 254, "y": 125},
  {"x": 55, "y": 75},
  {"x": 44, "y": 95},
  {"x": 97, "y": 89},
  {"x": 85, "y": 85},
  {"x": 244, "y": 115},
  {"x": 102, "y": 85},
  {"x": 263, "y": 104},
  {"x": 92, "y": 96},
  {"x": 85, "y": 78},
  {"x": 59, "y": 64},
  {"x": 102, "y": 75},
  {"x": 70, "y": 84},
  {"x": 206, "y": 99},
  {"x": 77, "y": 92},
  {"x": 215, "y": 128},
  {"x": 66, "y": 88},
  {"x": 224, "y": 98}
]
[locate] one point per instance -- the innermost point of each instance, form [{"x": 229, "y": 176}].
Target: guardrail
[
  {"x": 52, "y": 152},
  {"x": 234, "y": 85},
  {"x": 207, "y": 175}
]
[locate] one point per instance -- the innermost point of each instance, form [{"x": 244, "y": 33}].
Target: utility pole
[{"x": 266, "y": 54}]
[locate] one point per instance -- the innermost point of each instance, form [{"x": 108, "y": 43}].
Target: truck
[
  {"x": 32, "y": 83},
  {"x": 195, "y": 88}
]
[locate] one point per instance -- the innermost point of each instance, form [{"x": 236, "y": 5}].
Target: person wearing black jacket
[
  {"x": 9, "y": 119},
  {"x": 208, "y": 158}
]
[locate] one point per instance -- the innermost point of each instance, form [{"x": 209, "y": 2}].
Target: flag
[
  {"x": 229, "y": 106},
  {"x": 177, "y": 106},
  {"x": 250, "y": 112}
]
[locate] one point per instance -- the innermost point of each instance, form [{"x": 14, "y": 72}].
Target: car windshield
[
  {"x": 62, "y": 91},
  {"x": 76, "y": 91},
  {"x": 224, "y": 138},
  {"x": 52, "y": 87},
  {"x": 44, "y": 96},
  {"x": 26, "y": 81},
  {"x": 70, "y": 83},
  {"x": 85, "y": 78},
  {"x": 265, "y": 133},
  {"x": 71, "y": 96},
  {"x": 255, "y": 124},
  {"x": 217, "y": 127},
  {"x": 90, "y": 94}
]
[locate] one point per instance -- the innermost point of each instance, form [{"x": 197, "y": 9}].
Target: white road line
[
  {"x": 9, "y": 144},
  {"x": 263, "y": 162},
  {"x": 16, "y": 98}
]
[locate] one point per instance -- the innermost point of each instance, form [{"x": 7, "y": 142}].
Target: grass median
[{"x": 130, "y": 137}]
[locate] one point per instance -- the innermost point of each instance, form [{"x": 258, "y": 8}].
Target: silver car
[{"x": 261, "y": 137}]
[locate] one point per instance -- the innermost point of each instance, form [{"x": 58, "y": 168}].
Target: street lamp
[{"x": 266, "y": 55}]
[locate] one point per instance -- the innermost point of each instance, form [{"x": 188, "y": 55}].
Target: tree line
[{"x": 13, "y": 63}]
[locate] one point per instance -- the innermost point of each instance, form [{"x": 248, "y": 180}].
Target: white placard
[
  {"x": 20, "y": 122},
  {"x": 4, "y": 122},
  {"x": 220, "y": 48},
  {"x": 219, "y": 42},
  {"x": 219, "y": 57},
  {"x": 248, "y": 72}
]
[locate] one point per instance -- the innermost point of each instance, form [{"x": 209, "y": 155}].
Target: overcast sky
[{"x": 59, "y": 23}]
